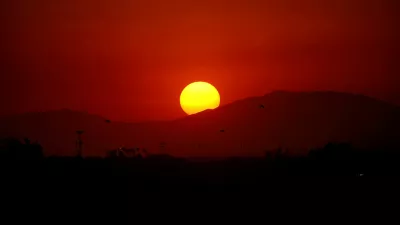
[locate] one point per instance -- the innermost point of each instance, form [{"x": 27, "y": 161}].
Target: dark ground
[
  {"x": 352, "y": 183},
  {"x": 164, "y": 172},
  {"x": 336, "y": 166}
]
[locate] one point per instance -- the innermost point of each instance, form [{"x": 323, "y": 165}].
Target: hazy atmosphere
[{"x": 130, "y": 60}]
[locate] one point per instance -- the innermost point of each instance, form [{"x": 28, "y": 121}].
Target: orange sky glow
[{"x": 129, "y": 60}]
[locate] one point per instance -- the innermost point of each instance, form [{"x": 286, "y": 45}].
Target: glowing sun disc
[{"x": 199, "y": 96}]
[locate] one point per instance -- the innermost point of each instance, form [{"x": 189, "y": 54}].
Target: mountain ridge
[{"x": 246, "y": 127}]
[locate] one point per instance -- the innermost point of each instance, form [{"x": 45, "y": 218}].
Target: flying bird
[
  {"x": 262, "y": 106},
  {"x": 108, "y": 121},
  {"x": 222, "y": 131}
]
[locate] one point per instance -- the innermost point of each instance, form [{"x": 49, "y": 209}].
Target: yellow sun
[{"x": 199, "y": 96}]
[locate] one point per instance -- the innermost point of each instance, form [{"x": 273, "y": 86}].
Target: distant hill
[{"x": 295, "y": 120}]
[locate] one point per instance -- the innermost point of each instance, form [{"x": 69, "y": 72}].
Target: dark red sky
[{"x": 129, "y": 60}]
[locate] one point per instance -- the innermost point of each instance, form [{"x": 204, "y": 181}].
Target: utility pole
[{"x": 79, "y": 143}]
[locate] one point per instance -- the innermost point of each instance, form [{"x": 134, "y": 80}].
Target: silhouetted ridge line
[{"x": 297, "y": 121}]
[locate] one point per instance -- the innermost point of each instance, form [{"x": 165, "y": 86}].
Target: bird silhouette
[
  {"x": 108, "y": 121},
  {"x": 262, "y": 106}
]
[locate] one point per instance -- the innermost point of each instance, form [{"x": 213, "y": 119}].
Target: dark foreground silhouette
[{"x": 23, "y": 160}]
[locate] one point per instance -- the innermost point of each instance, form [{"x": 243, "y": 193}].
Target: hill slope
[{"x": 298, "y": 121}]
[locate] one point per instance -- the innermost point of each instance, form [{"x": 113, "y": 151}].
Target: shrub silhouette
[
  {"x": 127, "y": 153},
  {"x": 15, "y": 149},
  {"x": 333, "y": 151}
]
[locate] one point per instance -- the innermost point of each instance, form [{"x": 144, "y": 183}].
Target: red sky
[{"x": 129, "y": 60}]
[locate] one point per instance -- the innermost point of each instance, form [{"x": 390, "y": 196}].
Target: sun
[{"x": 199, "y": 96}]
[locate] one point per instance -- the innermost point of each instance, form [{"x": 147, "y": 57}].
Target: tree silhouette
[
  {"x": 27, "y": 141},
  {"x": 333, "y": 151},
  {"x": 26, "y": 150}
]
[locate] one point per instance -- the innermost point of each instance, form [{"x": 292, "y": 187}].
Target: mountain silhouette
[{"x": 298, "y": 121}]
